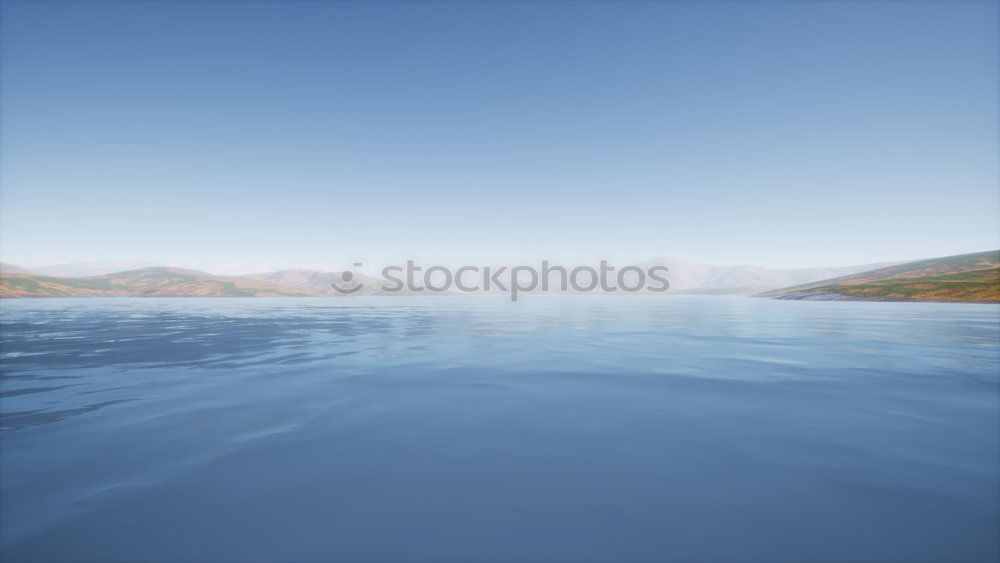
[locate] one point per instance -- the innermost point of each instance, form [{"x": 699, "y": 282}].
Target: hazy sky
[{"x": 305, "y": 133}]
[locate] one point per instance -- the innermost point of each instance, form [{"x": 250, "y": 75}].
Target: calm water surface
[{"x": 471, "y": 429}]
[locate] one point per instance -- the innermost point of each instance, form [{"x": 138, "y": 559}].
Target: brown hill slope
[{"x": 965, "y": 277}]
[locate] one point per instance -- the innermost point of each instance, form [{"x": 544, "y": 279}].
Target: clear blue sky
[{"x": 294, "y": 133}]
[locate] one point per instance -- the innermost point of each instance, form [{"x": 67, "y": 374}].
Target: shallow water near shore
[{"x": 472, "y": 429}]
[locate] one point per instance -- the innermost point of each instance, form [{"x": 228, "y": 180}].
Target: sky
[{"x": 243, "y": 136}]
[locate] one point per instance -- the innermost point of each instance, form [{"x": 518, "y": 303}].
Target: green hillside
[{"x": 964, "y": 278}]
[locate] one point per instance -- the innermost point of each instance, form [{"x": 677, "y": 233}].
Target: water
[{"x": 471, "y": 429}]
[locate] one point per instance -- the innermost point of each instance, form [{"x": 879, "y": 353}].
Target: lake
[{"x": 577, "y": 428}]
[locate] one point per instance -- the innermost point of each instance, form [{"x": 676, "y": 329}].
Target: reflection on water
[{"x": 464, "y": 429}]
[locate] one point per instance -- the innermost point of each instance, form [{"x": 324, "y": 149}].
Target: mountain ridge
[
  {"x": 144, "y": 282},
  {"x": 686, "y": 277},
  {"x": 972, "y": 277}
]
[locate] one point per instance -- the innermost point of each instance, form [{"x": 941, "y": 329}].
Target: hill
[
  {"x": 687, "y": 276},
  {"x": 319, "y": 283},
  {"x": 6, "y": 268},
  {"x": 145, "y": 282},
  {"x": 965, "y": 277},
  {"x": 90, "y": 269}
]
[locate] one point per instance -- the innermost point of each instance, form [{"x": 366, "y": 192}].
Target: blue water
[{"x": 470, "y": 429}]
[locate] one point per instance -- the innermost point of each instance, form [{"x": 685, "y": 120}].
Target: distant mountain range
[
  {"x": 86, "y": 269},
  {"x": 314, "y": 282},
  {"x": 6, "y": 268},
  {"x": 971, "y": 277},
  {"x": 145, "y": 282},
  {"x": 965, "y": 277},
  {"x": 694, "y": 277}
]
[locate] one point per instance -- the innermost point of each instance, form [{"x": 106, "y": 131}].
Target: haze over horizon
[
  {"x": 95, "y": 268},
  {"x": 265, "y": 136}
]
